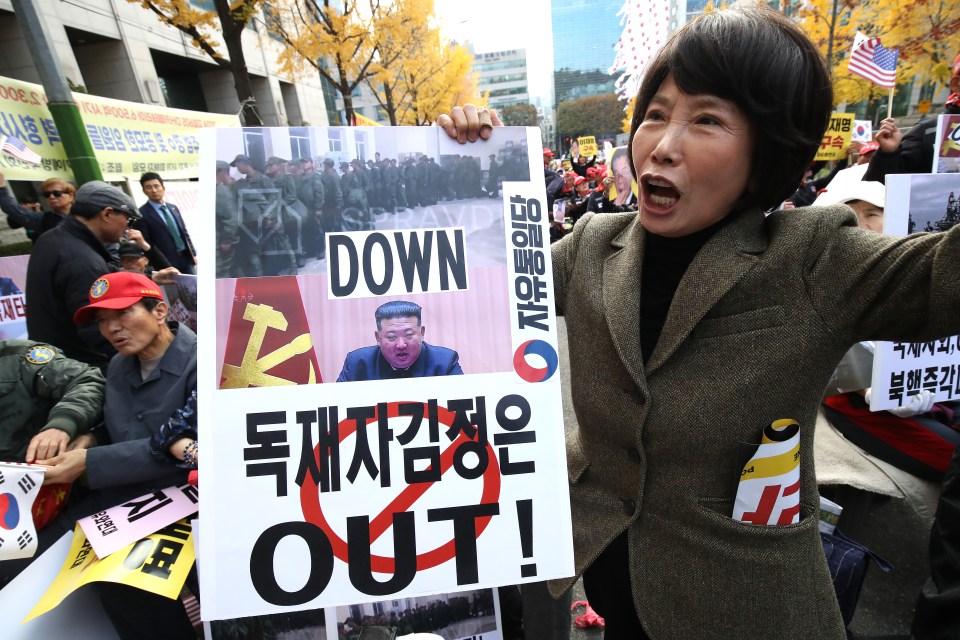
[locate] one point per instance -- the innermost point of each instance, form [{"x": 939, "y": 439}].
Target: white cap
[{"x": 867, "y": 190}]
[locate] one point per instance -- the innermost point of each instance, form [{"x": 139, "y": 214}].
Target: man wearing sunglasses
[
  {"x": 57, "y": 197},
  {"x": 64, "y": 264}
]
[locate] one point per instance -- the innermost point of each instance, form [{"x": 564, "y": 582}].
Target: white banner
[
  {"x": 320, "y": 494},
  {"x": 922, "y": 202}
]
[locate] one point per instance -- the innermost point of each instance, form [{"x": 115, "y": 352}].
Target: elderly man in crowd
[
  {"x": 65, "y": 262},
  {"x": 151, "y": 377},
  {"x": 56, "y": 192}
]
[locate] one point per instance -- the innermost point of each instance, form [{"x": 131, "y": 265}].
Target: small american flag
[
  {"x": 17, "y": 148},
  {"x": 874, "y": 62}
]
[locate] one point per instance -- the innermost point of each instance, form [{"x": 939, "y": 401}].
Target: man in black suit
[
  {"x": 400, "y": 351},
  {"x": 163, "y": 227}
]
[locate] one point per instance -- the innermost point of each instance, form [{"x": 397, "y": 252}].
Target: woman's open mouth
[{"x": 659, "y": 193}]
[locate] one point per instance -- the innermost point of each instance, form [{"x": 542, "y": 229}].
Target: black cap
[
  {"x": 328, "y": 162},
  {"x": 130, "y": 250},
  {"x": 101, "y": 194},
  {"x": 241, "y": 158}
]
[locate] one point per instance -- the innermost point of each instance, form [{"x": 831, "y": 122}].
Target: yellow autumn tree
[
  {"x": 390, "y": 45},
  {"x": 442, "y": 79},
  {"x": 205, "y": 28},
  {"x": 331, "y": 37},
  {"x": 832, "y": 26},
  {"x": 927, "y": 33}
]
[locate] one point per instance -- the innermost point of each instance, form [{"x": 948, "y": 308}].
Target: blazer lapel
[
  {"x": 621, "y": 297},
  {"x": 722, "y": 262}
]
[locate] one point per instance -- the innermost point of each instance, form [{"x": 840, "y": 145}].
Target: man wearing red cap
[
  {"x": 911, "y": 152},
  {"x": 152, "y": 375}
]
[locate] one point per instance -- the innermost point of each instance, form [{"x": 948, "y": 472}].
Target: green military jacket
[{"x": 42, "y": 389}]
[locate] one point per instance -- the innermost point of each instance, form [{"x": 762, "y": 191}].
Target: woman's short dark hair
[{"x": 761, "y": 61}]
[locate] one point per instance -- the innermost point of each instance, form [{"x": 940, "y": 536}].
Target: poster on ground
[
  {"x": 379, "y": 376},
  {"x": 922, "y": 202}
]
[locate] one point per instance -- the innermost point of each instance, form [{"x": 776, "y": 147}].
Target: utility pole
[{"x": 66, "y": 114}]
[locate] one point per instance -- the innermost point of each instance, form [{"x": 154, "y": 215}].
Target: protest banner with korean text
[
  {"x": 158, "y": 563},
  {"x": 436, "y": 463},
  {"x": 588, "y": 146},
  {"x": 113, "y": 529},
  {"x": 921, "y": 202},
  {"x": 128, "y": 138},
  {"x": 837, "y": 138},
  {"x": 13, "y": 301}
]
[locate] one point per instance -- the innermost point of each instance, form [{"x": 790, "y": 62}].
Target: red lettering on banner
[{"x": 313, "y": 512}]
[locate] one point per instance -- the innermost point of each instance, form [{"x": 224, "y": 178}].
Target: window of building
[
  {"x": 336, "y": 140},
  {"x": 253, "y": 146},
  {"x": 300, "y": 142},
  {"x": 361, "y": 146}
]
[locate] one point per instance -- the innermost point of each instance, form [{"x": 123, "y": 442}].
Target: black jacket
[
  {"x": 915, "y": 154},
  {"x": 35, "y": 222},
  {"x": 64, "y": 263}
]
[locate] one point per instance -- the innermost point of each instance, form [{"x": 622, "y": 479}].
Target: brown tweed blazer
[{"x": 763, "y": 314}]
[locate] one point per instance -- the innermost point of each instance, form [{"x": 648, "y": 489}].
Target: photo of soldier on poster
[{"x": 279, "y": 194}]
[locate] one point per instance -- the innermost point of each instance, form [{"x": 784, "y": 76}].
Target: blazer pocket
[
  {"x": 577, "y": 463},
  {"x": 740, "y": 322},
  {"x": 718, "y": 511}
]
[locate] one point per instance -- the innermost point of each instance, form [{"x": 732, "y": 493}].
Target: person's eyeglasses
[{"x": 55, "y": 194}]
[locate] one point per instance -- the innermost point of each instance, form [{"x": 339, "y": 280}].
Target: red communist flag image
[{"x": 269, "y": 340}]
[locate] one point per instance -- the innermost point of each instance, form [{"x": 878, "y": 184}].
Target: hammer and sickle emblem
[{"x": 252, "y": 371}]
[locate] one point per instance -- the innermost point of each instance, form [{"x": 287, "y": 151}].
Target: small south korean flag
[{"x": 19, "y": 486}]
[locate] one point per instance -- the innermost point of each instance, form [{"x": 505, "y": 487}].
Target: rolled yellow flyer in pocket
[{"x": 769, "y": 489}]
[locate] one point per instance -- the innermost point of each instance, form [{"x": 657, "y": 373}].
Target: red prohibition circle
[{"x": 313, "y": 513}]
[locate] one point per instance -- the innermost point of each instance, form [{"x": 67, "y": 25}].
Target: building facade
[
  {"x": 504, "y": 75},
  {"x": 118, "y": 49},
  {"x": 584, "y": 35}
]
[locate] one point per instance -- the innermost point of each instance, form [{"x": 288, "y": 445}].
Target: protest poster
[
  {"x": 946, "y": 158},
  {"x": 464, "y": 615},
  {"x": 158, "y": 563},
  {"x": 113, "y": 529},
  {"x": 13, "y": 301},
  {"x": 128, "y": 138},
  {"x": 181, "y": 297},
  {"x": 384, "y": 485},
  {"x": 588, "y": 146},
  {"x": 624, "y": 187},
  {"x": 837, "y": 137},
  {"x": 19, "y": 486},
  {"x": 862, "y": 131},
  {"x": 918, "y": 202}
]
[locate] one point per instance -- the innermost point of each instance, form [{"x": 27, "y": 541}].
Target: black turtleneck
[{"x": 665, "y": 260}]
